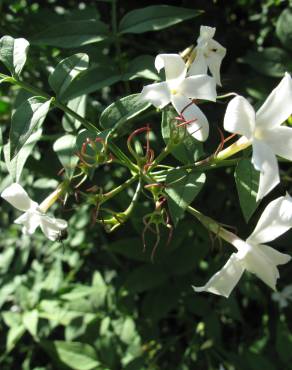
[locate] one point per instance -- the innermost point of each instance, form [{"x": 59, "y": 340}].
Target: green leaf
[
  {"x": 14, "y": 334},
  {"x": 141, "y": 67},
  {"x": 66, "y": 71},
  {"x": 247, "y": 183},
  {"x": 65, "y": 147},
  {"x": 91, "y": 80},
  {"x": 15, "y": 165},
  {"x": 76, "y": 355},
  {"x": 13, "y": 53},
  {"x": 155, "y": 18},
  {"x": 284, "y": 28},
  {"x": 273, "y": 62},
  {"x": 145, "y": 278},
  {"x": 73, "y": 34},
  {"x": 30, "y": 321},
  {"x": 122, "y": 111},
  {"x": 187, "y": 150},
  {"x": 182, "y": 187},
  {"x": 29, "y": 116},
  {"x": 78, "y": 105}
]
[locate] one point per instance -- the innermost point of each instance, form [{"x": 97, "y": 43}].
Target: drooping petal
[
  {"x": 259, "y": 263},
  {"x": 199, "y": 87},
  {"x": 206, "y": 33},
  {"x": 157, "y": 94},
  {"x": 199, "y": 65},
  {"x": 214, "y": 59},
  {"x": 279, "y": 139},
  {"x": 30, "y": 221},
  {"x": 52, "y": 227},
  {"x": 223, "y": 282},
  {"x": 265, "y": 161},
  {"x": 278, "y": 105},
  {"x": 197, "y": 123},
  {"x": 240, "y": 117},
  {"x": 277, "y": 257},
  {"x": 18, "y": 197},
  {"x": 174, "y": 66},
  {"x": 274, "y": 221}
]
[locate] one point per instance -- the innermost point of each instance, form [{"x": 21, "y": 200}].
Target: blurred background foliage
[{"x": 96, "y": 301}]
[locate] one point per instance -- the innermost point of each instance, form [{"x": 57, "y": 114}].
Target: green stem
[
  {"x": 198, "y": 166},
  {"x": 163, "y": 154},
  {"x": 88, "y": 125},
  {"x": 118, "y": 189},
  {"x": 213, "y": 225}
]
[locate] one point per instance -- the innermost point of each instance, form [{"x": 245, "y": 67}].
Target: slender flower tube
[
  {"x": 179, "y": 90},
  {"x": 263, "y": 130},
  {"x": 34, "y": 215},
  {"x": 209, "y": 54},
  {"x": 253, "y": 255}
]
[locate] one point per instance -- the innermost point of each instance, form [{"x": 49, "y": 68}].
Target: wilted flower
[
  {"x": 179, "y": 90},
  {"x": 263, "y": 129},
  {"x": 253, "y": 255},
  {"x": 209, "y": 54},
  {"x": 33, "y": 215}
]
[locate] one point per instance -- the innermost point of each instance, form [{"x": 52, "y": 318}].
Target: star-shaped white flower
[
  {"x": 263, "y": 129},
  {"x": 209, "y": 54},
  {"x": 253, "y": 255},
  {"x": 33, "y": 216},
  {"x": 179, "y": 90}
]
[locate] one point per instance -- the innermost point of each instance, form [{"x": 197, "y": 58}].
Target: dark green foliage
[{"x": 96, "y": 301}]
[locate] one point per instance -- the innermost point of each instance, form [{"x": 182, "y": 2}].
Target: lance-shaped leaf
[
  {"x": 247, "y": 183},
  {"x": 91, "y": 80},
  {"x": 65, "y": 148},
  {"x": 15, "y": 165},
  {"x": 76, "y": 355},
  {"x": 121, "y": 111},
  {"x": 155, "y": 18},
  {"x": 66, "y": 71},
  {"x": 284, "y": 28},
  {"x": 13, "y": 53},
  {"x": 186, "y": 148},
  {"x": 182, "y": 187},
  {"x": 27, "y": 117},
  {"x": 78, "y": 105},
  {"x": 73, "y": 34}
]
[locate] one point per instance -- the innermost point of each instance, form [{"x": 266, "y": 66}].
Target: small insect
[{"x": 62, "y": 235}]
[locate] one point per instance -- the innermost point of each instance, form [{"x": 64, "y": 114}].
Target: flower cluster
[{"x": 262, "y": 130}]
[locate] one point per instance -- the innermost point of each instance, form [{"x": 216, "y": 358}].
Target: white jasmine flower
[
  {"x": 263, "y": 129},
  {"x": 179, "y": 90},
  {"x": 253, "y": 255},
  {"x": 33, "y": 215},
  {"x": 209, "y": 54}
]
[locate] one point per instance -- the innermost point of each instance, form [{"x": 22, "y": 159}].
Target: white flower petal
[
  {"x": 199, "y": 65},
  {"x": 51, "y": 227},
  {"x": 174, "y": 66},
  {"x": 199, "y": 87},
  {"x": 18, "y": 197},
  {"x": 278, "y": 106},
  {"x": 214, "y": 59},
  {"x": 240, "y": 117},
  {"x": 157, "y": 94},
  {"x": 259, "y": 263},
  {"x": 277, "y": 257},
  {"x": 223, "y": 282},
  {"x": 279, "y": 139},
  {"x": 265, "y": 161},
  {"x": 197, "y": 125},
  {"x": 274, "y": 221},
  {"x": 206, "y": 33},
  {"x": 30, "y": 221}
]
